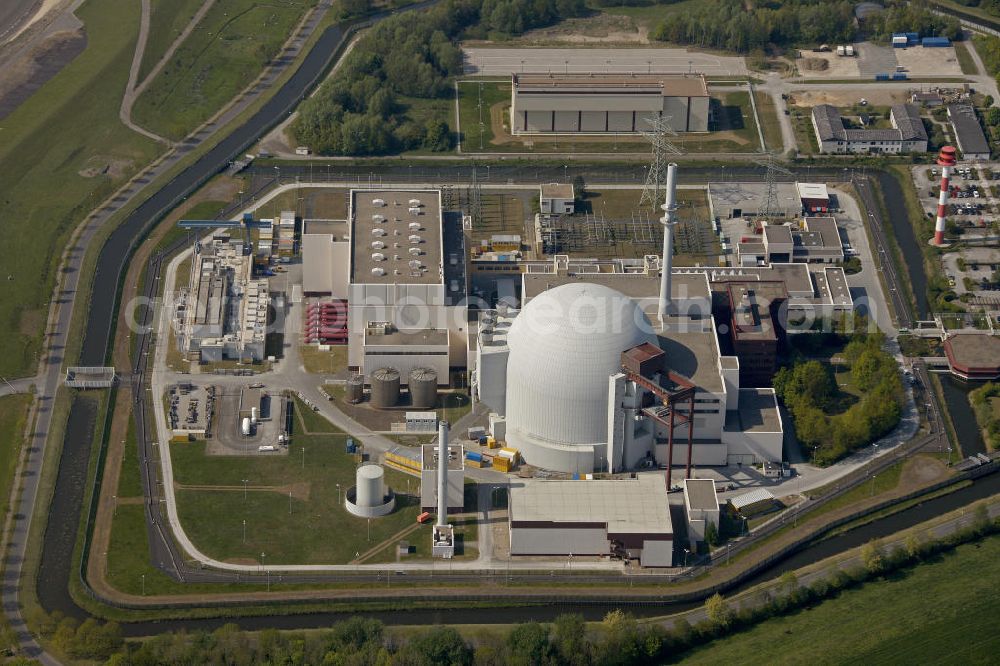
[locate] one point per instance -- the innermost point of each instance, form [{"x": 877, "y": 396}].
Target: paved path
[{"x": 128, "y": 99}]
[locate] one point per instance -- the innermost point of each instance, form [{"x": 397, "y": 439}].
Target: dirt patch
[
  {"x": 837, "y": 67},
  {"x": 300, "y": 490},
  {"x": 102, "y": 165},
  {"x": 874, "y": 95},
  {"x": 597, "y": 29},
  {"x": 921, "y": 471},
  {"x": 32, "y": 321},
  {"x": 814, "y": 65},
  {"x": 23, "y": 77}
]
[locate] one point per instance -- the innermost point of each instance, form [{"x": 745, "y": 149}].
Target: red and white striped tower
[{"x": 946, "y": 160}]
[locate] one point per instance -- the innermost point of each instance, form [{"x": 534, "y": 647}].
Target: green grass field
[
  {"x": 227, "y": 51},
  {"x": 63, "y": 151},
  {"x": 769, "y": 122},
  {"x": 129, "y": 480},
  {"x": 316, "y": 530},
  {"x": 13, "y": 418},
  {"x": 965, "y": 60},
  {"x": 650, "y": 15},
  {"x": 942, "y": 612},
  {"x": 167, "y": 20}
]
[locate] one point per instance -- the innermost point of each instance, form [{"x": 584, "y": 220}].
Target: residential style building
[
  {"x": 968, "y": 132},
  {"x": 907, "y": 134}
]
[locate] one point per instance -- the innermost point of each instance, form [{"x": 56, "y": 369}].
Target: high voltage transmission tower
[
  {"x": 475, "y": 198},
  {"x": 770, "y": 209},
  {"x": 661, "y": 148}
]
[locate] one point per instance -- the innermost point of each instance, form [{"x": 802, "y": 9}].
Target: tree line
[
  {"x": 730, "y": 25},
  {"x": 809, "y": 390},
  {"x": 368, "y": 107},
  {"x": 618, "y": 640}
]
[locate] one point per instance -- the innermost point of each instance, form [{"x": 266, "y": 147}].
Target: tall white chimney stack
[
  {"x": 668, "y": 221},
  {"x": 442, "y": 489}
]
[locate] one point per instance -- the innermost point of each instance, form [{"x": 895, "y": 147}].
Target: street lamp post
[
  {"x": 245, "y": 482},
  {"x": 143, "y": 584},
  {"x": 244, "y": 530},
  {"x": 686, "y": 553},
  {"x": 338, "y": 493}
]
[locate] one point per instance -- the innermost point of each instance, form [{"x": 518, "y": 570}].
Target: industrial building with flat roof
[
  {"x": 907, "y": 135},
  {"x": 620, "y": 517},
  {"x": 818, "y": 241},
  {"x": 386, "y": 262},
  {"x": 223, "y": 314},
  {"x": 701, "y": 508},
  {"x": 607, "y": 103},
  {"x": 968, "y": 132}
]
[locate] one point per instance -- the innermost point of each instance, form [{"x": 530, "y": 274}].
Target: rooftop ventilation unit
[
  {"x": 414, "y": 226},
  {"x": 415, "y": 265},
  {"x": 415, "y": 203},
  {"x": 378, "y": 256},
  {"x": 378, "y": 219},
  {"x": 378, "y": 271},
  {"x": 377, "y": 245},
  {"x": 378, "y": 202},
  {"x": 414, "y": 210},
  {"x": 378, "y": 231},
  {"x": 414, "y": 239},
  {"x": 415, "y": 251}
]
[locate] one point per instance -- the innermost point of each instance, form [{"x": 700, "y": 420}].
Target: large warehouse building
[
  {"x": 607, "y": 103},
  {"x": 619, "y": 517}
]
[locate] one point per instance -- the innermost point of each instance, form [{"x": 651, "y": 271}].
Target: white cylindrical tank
[
  {"x": 254, "y": 416},
  {"x": 245, "y": 427},
  {"x": 370, "y": 485}
]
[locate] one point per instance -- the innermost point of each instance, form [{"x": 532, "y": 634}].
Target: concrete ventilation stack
[
  {"x": 442, "y": 492},
  {"x": 355, "y": 389},
  {"x": 423, "y": 388},
  {"x": 385, "y": 388},
  {"x": 669, "y": 222},
  {"x": 946, "y": 160}
]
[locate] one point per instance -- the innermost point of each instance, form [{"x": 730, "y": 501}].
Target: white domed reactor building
[
  {"x": 587, "y": 377},
  {"x": 563, "y": 348}
]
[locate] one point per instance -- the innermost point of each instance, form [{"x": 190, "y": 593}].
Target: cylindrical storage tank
[
  {"x": 245, "y": 427},
  {"x": 423, "y": 388},
  {"x": 385, "y": 388},
  {"x": 370, "y": 486},
  {"x": 356, "y": 389}
]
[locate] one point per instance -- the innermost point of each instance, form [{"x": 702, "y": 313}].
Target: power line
[{"x": 660, "y": 149}]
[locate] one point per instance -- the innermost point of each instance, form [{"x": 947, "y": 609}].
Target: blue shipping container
[
  {"x": 899, "y": 77},
  {"x": 474, "y": 455},
  {"x": 912, "y": 37},
  {"x": 935, "y": 42},
  {"x": 881, "y": 77}
]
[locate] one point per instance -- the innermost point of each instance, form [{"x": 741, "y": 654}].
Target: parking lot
[{"x": 506, "y": 61}]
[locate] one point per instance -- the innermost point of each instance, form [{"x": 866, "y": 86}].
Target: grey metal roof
[
  {"x": 828, "y": 123},
  {"x": 968, "y": 133},
  {"x": 907, "y": 120},
  {"x": 872, "y": 135}
]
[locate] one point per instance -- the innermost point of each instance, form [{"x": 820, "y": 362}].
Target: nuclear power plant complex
[{"x": 574, "y": 396}]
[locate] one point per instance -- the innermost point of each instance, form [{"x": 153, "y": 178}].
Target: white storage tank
[
  {"x": 371, "y": 485},
  {"x": 245, "y": 426}
]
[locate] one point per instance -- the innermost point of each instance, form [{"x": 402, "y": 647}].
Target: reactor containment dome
[{"x": 565, "y": 345}]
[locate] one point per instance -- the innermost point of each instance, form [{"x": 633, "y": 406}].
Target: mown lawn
[
  {"x": 227, "y": 51},
  {"x": 317, "y": 529},
  {"x": 943, "y": 612},
  {"x": 62, "y": 152}
]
